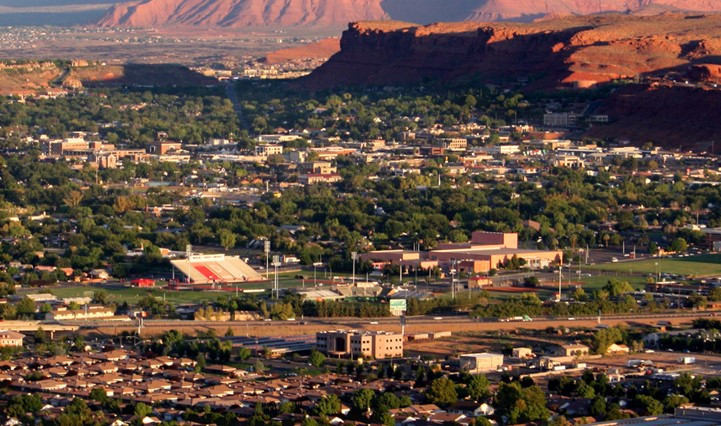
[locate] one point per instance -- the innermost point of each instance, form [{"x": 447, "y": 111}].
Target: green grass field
[
  {"x": 598, "y": 281},
  {"x": 132, "y": 295},
  {"x": 699, "y": 266}
]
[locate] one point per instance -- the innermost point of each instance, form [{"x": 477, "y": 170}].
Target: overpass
[{"x": 32, "y": 326}]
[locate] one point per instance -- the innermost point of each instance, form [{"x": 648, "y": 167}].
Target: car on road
[
  {"x": 437, "y": 318},
  {"x": 614, "y": 259},
  {"x": 374, "y": 322}
]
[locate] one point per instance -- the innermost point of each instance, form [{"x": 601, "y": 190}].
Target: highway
[{"x": 418, "y": 324}]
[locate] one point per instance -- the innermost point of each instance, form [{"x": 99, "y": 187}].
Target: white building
[{"x": 481, "y": 362}]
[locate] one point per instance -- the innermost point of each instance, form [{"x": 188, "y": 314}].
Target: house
[{"x": 471, "y": 409}]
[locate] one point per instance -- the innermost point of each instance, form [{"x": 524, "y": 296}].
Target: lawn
[
  {"x": 598, "y": 281},
  {"x": 118, "y": 294},
  {"x": 699, "y": 266}
]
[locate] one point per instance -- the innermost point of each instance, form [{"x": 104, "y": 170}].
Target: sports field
[{"x": 698, "y": 266}]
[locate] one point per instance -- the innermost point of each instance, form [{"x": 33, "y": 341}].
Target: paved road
[
  {"x": 421, "y": 324},
  {"x": 237, "y": 106}
]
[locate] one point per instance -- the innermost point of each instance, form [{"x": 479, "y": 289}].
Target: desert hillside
[
  {"x": 528, "y": 10},
  {"x": 242, "y": 13}
]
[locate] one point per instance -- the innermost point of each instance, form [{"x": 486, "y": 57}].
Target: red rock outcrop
[
  {"x": 573, "y": 51},
  {"x": 241, "y": 13},
  {"x": 322, "y": 49},
  {"x": 528, "y": 10}
]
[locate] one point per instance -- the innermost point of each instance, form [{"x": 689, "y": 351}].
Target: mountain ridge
[
  {"x": 337, "y": 13},
  {"x": 241, "y": 13}
]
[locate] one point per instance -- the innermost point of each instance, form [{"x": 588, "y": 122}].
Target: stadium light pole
[
  {"x": 354, "y": 256},
  {"x": 315, "y": 272},
  {"x": 266, "y": 249},
  {"x": 276, "y": 262}
]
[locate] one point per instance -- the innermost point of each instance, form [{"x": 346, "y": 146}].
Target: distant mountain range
[{"x": 316, "y": 13}]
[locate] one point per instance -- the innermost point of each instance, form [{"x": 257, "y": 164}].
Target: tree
[
  {"x": 26, "y": 307},
  {"x": 674, "y": 401},
  {"x": 521, "y": 405},
  {"x": 477, "y": 387},
  {"x": 598, "y": 406},
  {"x": 98, "y": 394},
  {"x": 678, "y": 245},
  {"x": 101, "y": 297},
  {"x": 244, "y": 353},
  {"x": 442, "y": 391},
  {"x": 226, "y": 238},
  {"x": 328, "y": 405},
  {"x": 142, "y": 410},
  {"x": 648, "y": 405},
  {"x": 259, "y": 367},
  {"x": 73, "y": 198},
  {"x": 200, "y": 363},
  {"x": 316, "y": 359},
  {"x": 361, "y": 400}
]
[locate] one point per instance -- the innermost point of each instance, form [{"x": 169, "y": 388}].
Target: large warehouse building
[{"x": 215, "y": 268}]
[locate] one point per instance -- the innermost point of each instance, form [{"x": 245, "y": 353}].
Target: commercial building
[
  {"x": 11, "y": 338},
  {"x": 355, "y": 343},
  {"x": 453, "y": 144},
  {"x": 485, "y": 251},
  {"x": 264, "y": 150},
  {"x": 480, "y": 363},
  {"x": 560, "y": 119},
  {"x": 92, "y": 312}
]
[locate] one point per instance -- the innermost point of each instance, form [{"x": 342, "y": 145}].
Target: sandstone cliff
[
  {"x": 528, "y": 10},
  {"x": 242, "y": 13},
  {"x": 574, "y": 51}
]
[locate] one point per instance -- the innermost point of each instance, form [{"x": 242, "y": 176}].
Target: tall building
[{"x": 355, "y": 343}]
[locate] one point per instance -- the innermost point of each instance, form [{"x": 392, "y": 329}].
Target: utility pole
[
  {"x": 266, "y": 249},
  {"x": 354, "y": 256}
]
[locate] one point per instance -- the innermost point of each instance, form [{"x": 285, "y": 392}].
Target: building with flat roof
[
  {"x": 11, "y": 338},
  {"x": 357, "y": 343},
  {"x": 481, "y": 362},
  {"x": 485, "y": 251},
  {"x": 91, "y": 312}
]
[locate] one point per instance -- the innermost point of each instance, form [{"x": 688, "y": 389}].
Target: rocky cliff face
[
  {"x": 242, "y": 13},
  {"x": 529, "y": 10},
  {"x": 575, "y": 51}
]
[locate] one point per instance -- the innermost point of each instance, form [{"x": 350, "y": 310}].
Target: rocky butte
[
  {"x": 580, "y": 51},
  {"x": 573, "y": 52}
]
